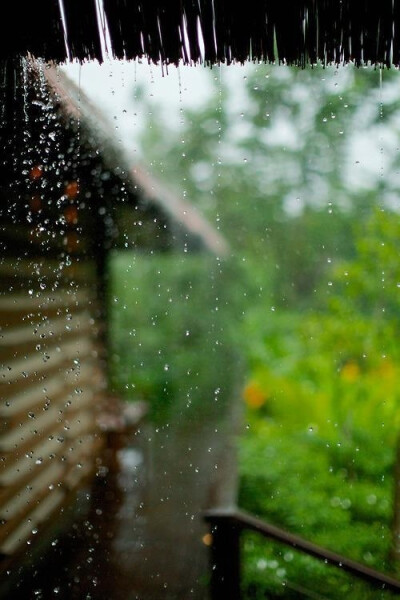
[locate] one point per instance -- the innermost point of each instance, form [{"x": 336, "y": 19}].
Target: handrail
[{"x": 226, "y": 525}]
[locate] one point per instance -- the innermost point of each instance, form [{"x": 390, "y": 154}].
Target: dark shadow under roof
[{"x": 206, "y": 31}]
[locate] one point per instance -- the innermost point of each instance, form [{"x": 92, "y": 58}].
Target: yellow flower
[
  {"x": 254, "y": 396},
  {"x": 350, "y": 372},
  {"x": 387, "y": 369}
]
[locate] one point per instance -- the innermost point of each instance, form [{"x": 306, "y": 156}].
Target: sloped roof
[
  {"x": 74, "y": 103},
  {"x": 295, "y": 31}
]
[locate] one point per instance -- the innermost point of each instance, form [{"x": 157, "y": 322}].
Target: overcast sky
[{"x": 113, "y": 86}]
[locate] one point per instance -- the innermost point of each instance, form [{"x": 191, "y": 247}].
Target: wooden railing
[{"x": 226, "y": 526}]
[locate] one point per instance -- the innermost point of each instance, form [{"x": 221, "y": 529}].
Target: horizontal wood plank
[
  {"x": 50, "y": 478},
  {"x": 37, "y": 397},
  {"x": 23, "y": 464},
  {"x": 24, "y": 368},
  {"x": 45, "y": 328},
  {"x": 42, "y": 270},
  {"x": 43, "y": 512}
]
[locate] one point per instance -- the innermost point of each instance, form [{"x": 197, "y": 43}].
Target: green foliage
[
  {"x": 306, "y": 486},
  {"x": 370, "y": 285},
  {"x": 171, "y": 332},
  {"x": 323, "y": 404},
  {"x": 317, "y": 281},
  {"x": 274, "y": 571}
]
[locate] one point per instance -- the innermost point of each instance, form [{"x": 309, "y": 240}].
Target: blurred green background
[{"x": 299, "y": 170}]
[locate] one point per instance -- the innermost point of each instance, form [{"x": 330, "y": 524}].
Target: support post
[{"x": 225, "y": 557}]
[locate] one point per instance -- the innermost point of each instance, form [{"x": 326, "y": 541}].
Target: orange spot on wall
[
  {"x": 71, "y": 241},
  {"x": 36, "y": 172},
  {"x": 72, "y": 189},
  {"x": 35, "y": 203},
  {"x": 71, "y": 215}
]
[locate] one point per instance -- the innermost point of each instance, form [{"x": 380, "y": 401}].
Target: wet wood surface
[{"x": 142, "y": 535}]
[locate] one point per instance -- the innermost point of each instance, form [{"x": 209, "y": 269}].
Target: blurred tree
[{"x": 271, "y": 160}]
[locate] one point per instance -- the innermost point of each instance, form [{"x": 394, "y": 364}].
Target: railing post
[
  {"x": 226, "y": 525},
  {"x": 225, "y": 557}
]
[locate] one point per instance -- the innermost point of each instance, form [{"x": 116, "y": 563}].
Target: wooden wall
[
  {"x": 58, "y": 220},
  {"x": 52, "y": 332},
  {"x": 51, "y": 381}
]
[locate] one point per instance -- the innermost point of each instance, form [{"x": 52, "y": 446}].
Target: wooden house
[{"x": 68, "y": 194}]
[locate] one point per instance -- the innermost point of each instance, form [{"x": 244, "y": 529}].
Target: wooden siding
[
  {"x": 56, "y": 199},
  {"x": 51, "y": 378}
]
